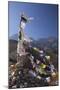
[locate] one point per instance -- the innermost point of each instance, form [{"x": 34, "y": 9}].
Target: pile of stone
[{"x": 33, "y": 69}]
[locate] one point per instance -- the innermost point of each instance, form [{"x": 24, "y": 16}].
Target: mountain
[
  {"x": 14, "y": 37},
  {"x": 12, "y": 51},
  {"x": 50, "y": 42}
]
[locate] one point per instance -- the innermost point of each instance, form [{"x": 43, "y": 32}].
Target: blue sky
[{"x": 45, "y": 23}]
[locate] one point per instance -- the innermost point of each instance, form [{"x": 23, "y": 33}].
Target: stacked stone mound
[{"x": 31, "y": 70}]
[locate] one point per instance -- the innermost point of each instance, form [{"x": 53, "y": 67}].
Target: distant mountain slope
[
  {"x": 12, "y": 45},
  {"x": 12, "y": 51},
  {"x": 14, "y": 37},
  {"x": 50, "y": 42}
]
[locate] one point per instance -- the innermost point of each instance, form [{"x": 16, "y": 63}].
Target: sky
[{"x": 44, "y": 24}]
